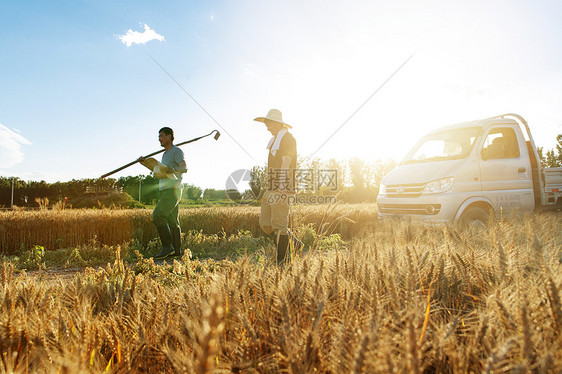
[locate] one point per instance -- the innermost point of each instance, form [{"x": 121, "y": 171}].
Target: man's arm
[
  {"x": 181, "y": 168},
  {"x": 179, "y": 158},
  {"x": 286, "y": 162},
  {"x": 288, "y": 151},
  {"x": 285, "y": 165}
]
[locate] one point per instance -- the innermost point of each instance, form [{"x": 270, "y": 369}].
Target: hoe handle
[
  {"x": 119, "y": 169},
  {"x": 160, "y": 151}
]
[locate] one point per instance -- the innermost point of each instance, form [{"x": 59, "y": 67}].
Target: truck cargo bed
[{"x": 552, "y": 185}]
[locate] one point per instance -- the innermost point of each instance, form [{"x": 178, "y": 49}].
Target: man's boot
[
  {"x": 176, "y": 241},
  {"x": 282, "y": 246},
  {"x": 166, "y": 239}
]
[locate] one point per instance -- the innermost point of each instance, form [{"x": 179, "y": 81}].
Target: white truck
[{"x": 467, "y": 172}]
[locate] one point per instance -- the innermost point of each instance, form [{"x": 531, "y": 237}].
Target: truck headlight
[
  {"x": 439, "y": 186},
  {"x": 382, "y": 189}
]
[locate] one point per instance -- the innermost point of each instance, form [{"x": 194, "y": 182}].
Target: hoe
[{"x": 217, "y": 135}]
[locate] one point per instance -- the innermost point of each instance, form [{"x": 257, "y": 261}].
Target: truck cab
[{"x": 465, "y": 172}]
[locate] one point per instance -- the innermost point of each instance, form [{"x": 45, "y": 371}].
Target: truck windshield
[{"x": 444, "y": 145}]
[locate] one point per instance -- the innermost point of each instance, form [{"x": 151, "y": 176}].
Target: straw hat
[
  {"x": 275, "y": 116},
  {"x": 155, "y": 167}
]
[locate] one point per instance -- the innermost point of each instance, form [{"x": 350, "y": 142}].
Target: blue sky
[{"x": 76, "y": 102}]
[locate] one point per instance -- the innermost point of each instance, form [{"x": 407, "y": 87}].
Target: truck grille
[
  {"x": 404, "y": 190},
  {"x": 421, "y": 209}
]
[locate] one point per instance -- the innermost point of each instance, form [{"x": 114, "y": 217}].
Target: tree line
[
  {"x": 553, "y": 157},
  {"x": 351, "y": 181},
  {"x": 355, "y": 181},
  {"x": 142, "y": 188}
]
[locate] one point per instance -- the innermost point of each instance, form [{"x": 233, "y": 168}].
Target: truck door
[{"x": 505, "y": 171}]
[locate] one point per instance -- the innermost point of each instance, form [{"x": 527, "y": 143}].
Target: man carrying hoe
[
  {"x": 281, "y": 165},
  {"x": 165, "y": 214}
]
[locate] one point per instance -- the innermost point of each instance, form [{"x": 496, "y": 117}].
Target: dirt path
[
  {"x": 66, "y": 274},
  {"x": 55, "y": 274}
]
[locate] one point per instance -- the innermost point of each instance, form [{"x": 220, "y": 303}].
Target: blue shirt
[{"x": 171, "y": 158}]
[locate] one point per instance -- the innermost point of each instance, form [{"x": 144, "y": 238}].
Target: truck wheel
[{"x": 475, "y": 218}]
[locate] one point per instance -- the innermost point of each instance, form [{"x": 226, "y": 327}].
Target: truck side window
[{"x": 500, "y": 143}]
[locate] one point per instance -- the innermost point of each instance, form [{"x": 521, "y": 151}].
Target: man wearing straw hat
[{"x": 281, "y": 166}]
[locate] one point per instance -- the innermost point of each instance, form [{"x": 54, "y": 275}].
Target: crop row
[{"x": 52, "y": 229}]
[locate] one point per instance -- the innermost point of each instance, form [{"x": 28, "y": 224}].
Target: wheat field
[
  {"x": 397, "y": 299},
  {"x": 52, "y": 229}
]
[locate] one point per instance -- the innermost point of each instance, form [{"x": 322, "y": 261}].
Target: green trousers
[{"x": 166, "y": 211}]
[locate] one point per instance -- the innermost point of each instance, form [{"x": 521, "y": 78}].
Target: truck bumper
[{"x": 427, "y": 209}]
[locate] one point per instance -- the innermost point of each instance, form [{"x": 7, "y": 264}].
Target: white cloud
[
  {"x": 10, "y": 147},
  {"x": 135, "y": 37}
]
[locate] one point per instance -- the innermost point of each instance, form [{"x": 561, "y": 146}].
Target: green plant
[{"x": 34, "y": 258}]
